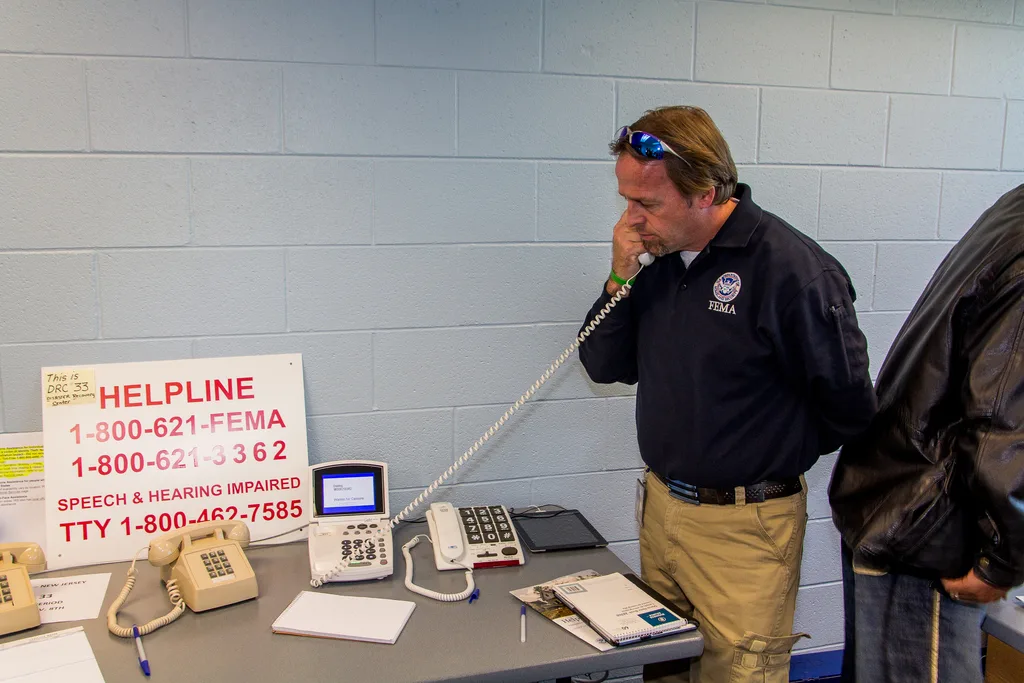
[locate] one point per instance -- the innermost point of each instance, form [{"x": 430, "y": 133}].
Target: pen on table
[
  {"x": 143, "y": 662},
  {"x": 522, "y": 623}
]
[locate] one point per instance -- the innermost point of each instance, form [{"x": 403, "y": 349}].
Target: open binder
[{"x": 622, "y": 608}]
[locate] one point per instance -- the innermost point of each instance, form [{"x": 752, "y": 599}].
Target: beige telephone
[
  {"x": 18, "y": 610},
  {"x": 203, "y": 567}
]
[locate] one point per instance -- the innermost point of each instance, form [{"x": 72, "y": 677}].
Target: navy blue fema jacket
[{"x": 749, "y": 363}]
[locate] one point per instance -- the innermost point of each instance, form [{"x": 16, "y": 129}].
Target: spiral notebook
[{"x": 622, "y": 608}]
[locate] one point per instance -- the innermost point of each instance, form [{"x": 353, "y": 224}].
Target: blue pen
[
  {"x": 143, "y": 662},
  {"x": 522, "y": 624}
]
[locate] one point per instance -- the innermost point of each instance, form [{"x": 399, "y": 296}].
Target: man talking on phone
[{"x": 743, "y": 343}]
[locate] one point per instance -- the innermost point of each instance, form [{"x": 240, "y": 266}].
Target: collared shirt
[{"x": 749, "y": 364}]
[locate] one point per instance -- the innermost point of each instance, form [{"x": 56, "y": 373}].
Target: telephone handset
[
  {"x": 18, "y": 609},
  {"x": 645, "y": 259},
  {"x": 202, "y": 566}
]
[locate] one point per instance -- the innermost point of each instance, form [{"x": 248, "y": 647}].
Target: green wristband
[{"x": 618, "y": 280}]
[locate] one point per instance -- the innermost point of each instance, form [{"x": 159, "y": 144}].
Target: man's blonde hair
[{"x": 706, "y": 161}]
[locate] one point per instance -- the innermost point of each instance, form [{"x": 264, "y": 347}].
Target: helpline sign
[{"x": 136, "y": 450}]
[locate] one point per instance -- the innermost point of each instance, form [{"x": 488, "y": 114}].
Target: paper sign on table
[
  {"x": 22, "y": 508},
  {"x": 70, "y": 598},
  {"x": 135, "y": 450}
]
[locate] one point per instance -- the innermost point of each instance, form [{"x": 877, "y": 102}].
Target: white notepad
[{"x": 324, "y": 615}]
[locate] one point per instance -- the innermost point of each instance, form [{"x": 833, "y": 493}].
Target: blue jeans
[{"x": 904, "y": 629}]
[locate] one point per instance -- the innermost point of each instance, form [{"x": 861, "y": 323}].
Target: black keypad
[{"x": 486, "y": 525}]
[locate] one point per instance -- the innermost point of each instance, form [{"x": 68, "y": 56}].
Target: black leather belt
[{"x": 755, "y": 493}]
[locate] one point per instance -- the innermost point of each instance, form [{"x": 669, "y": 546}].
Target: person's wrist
[
  {"x": 612, "y": 287},
  {"x": 616, "y": 279}
]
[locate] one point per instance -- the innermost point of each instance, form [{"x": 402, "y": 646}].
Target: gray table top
[
  {"x": 441, "y": 641},
  {"x": 1005, "y": 620}
]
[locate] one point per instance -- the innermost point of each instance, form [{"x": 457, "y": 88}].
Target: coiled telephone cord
[
  {"x": 562, "y": 357},
  {"x": 173, "y": 594}
]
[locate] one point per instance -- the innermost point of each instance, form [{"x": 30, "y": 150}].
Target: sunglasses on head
[{"x": 645, "y": 144}]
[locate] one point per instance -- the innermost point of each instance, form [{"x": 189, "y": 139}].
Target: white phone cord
[
  {"x": 443, "y": 597},
  {"x": 569, "y": 350},
  {"x": 172, "y": 593}
]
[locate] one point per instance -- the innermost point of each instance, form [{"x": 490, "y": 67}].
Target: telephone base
[
  {"x": 213, "y": 572},
  {"x": 370, "y": 555},
  {"x": 18, "y": 610},
  {"x": 489, "y": 539}
]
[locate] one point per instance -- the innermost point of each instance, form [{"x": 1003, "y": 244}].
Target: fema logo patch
[{"x": 727, "y": 287}]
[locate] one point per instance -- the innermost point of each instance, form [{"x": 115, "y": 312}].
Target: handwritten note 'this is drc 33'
[{"x": 72, "y": 387}]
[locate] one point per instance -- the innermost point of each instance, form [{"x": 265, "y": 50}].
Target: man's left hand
[{"x": 971, "y": 588}]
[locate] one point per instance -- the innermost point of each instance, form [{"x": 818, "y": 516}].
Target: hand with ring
[{"x": 972, "y": 589}]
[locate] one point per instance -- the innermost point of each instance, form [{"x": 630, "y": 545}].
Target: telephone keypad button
[
  {"x": 229, "y": 570},
  {"x": 491, "y": 537},
  {"x": 383, "y": 561},
  {"x": 351, "y": 526},
  {"x": 507, "y": 536},
  {"x": 472, "y": 528},
  {"x": 488, "y": 527},
  {"x": 371, "y": 557},
  {"x": 503, "y": 527},
  {"x": 373, "y": 526},
  {"x": 508, "y": 551},
  {"x": 220, "y": 572},
  {"x": 475, "y": 538},
  {"x": 362, "y": 526}
]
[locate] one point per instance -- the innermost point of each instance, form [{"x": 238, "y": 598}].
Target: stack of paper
[
  {"x": 58, "y": 656},
  {"x": 324, "y": 615}
]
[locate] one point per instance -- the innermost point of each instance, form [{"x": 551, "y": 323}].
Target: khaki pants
[{"x": 733, "y": 568}]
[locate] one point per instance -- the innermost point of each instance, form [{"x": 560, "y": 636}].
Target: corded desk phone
[
  {"x": 202, "y": 566},
  {"x": 350, "y": 521},
  {"x": 480, "y": 535},
  {"x": 18, "y": 609}
]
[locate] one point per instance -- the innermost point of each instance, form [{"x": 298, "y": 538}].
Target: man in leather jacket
[{"x": 930, "y": 500}]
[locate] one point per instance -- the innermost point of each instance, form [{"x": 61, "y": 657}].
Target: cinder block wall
[{"x": 416, "y": 195}]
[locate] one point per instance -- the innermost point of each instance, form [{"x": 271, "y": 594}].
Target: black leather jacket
[{"x": 936, "y": 485}]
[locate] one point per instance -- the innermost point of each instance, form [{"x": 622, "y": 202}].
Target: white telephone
[
  {"x": 18, "y": 609},
  {"x": 468, "y": 538},
  {"x": 202, "y": 566},
  {"x": 481, "y": 535},
  {"x": 448, "y": 535},
  {"x": 350, "y": 530}
]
